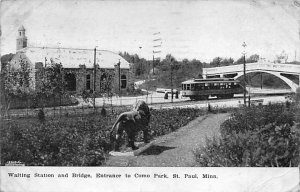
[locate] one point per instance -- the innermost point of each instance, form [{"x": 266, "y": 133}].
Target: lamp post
[{"x": 244, "y": 90}]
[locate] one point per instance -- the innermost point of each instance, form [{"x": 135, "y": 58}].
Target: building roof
[
  {"x": 21, "y": 28},
  {"x": 72, "y": 58},
  {"x": 210, "y": 80}
]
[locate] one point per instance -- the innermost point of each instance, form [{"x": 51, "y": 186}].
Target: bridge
[{"x": 289, "y": 73}]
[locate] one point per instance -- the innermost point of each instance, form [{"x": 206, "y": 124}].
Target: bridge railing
[{"x": 285, "y": 68}]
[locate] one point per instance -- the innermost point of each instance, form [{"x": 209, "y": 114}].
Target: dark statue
[{"x": 131, "y": 122}]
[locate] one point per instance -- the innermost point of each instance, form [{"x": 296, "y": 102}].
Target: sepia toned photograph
[{"x": 121, "y": 83}]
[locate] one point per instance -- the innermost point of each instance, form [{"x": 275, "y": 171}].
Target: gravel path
[{"x": 175, "y": 149}]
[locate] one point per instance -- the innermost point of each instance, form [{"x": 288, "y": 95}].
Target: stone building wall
[
  {"x": 104, "y": 78},
  {"x": 112, "y": 74},
  {"x": 117, "y": 74},
  {"x": 80, "y": 79}
]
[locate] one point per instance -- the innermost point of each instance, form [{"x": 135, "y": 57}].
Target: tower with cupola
[{"x": 21, "y": 39}]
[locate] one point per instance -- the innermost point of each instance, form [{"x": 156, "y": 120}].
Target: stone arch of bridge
[{"x": 289, "y": 82}]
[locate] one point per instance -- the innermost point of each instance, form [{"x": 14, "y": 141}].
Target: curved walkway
[{"x": 174, "y": 149}]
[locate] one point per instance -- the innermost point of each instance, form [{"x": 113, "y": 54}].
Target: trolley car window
[
  {"x": 201, "y": 86},
  {"x": 221, "y": 85},
  {"x": 188, "y": 87},
  {"x": 198, "y": 87},
  {"x": 192, "y": 87},
  {"x": 226, "y": 85}
]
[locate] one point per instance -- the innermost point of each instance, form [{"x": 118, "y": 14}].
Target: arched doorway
[{"x": 70, "y": 79}]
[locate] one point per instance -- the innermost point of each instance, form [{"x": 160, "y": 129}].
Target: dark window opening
[
  {"x": 88, "y": 82},
  {"x": 123, "y": 81},
  {"x": 70, "y": 79},
  {"x": 20, "y": 33}
]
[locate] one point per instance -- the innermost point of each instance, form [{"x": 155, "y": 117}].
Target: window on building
[
  {"x": 123, "y": 81},
  {"x": 20, "y": 33},
  {"x": 70, "y": 79},
  {"x": 88, "y": 82}
]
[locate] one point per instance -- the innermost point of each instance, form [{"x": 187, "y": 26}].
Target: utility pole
[
  {"x": 157, "y": 44},
  {"x": 261, "y": 80},
  {"x": 249, "y": 84},
  {"x": 119, "y": 66},
  {"x": 94, "y": 87},
  {"x": 44, "y": 71},
  {"x": 244, "y": 53},
  {"x": 171, "y": 66},
  {"x": 153, "y": 65},
  {"x": 140, "y": 63}
]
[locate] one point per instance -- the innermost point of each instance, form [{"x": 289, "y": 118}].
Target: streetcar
[{"x": 201, "y": 89}]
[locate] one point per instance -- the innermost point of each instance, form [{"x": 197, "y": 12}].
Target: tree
[
  {"x": 16, "y": 84},
  {"x": 227, "y": 61},
  {"x": 52, "y": 85},
  {"x": 106, "y": 87},
  {"x": 141, "y": 65},
  {"x": 252, "y": 59},
  {"x": 240, "y": 60},
  {"x": 282, "y": 57},
  {"x": 5, "y": 59},
  {"x": 216, "y": 62}
]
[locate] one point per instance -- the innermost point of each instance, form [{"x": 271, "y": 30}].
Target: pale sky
[{"x": 188, "y": 29}]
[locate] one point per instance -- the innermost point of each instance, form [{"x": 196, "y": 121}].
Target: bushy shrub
[
  {"x": 76, "y": 140},
  {"x": 256, "y": 136},
  {"x": 254, "y": 118},
  {"x": 34, "y": 100},
  {"x": 41, "y": 115},
  {"x": 103, "y": 112},
  {"x": 64, "y": 142},
  {"x": 168, "y": 120}
]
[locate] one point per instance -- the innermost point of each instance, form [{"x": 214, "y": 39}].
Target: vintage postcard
[{"x": 153, "y": 95}]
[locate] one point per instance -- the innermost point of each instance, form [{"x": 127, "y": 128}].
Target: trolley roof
[{"x": 211, "y": 80}]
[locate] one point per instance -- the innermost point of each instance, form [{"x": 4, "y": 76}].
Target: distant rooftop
[
  {"x": 21, "y": 28},
  {"x": 72, "y": 58}
]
